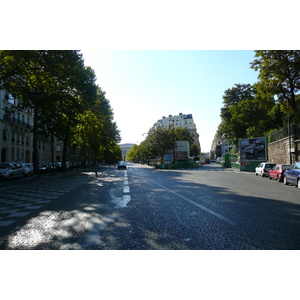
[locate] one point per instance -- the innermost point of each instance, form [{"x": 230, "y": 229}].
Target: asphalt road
[{"x": 145, "y": 208}]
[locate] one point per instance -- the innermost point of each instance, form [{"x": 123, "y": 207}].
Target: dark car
[
  {"x": 44, "y": 168},
  {"x": 292, "y": 176},
  {"x": 122, "y": 165},
  {"x": 278, "y": 171}
]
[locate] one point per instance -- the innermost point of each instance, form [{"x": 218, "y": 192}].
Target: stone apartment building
[
  {"x": 181, "y": 120},
  {"x": 16, "y": 137},
  {"x": 220, "y": 147}
]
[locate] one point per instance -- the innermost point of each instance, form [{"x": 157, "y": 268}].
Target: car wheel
[
  {"x": 270, "y": 177},
  {"x": 256, "y": 174},
  {"x": 285, "y": 181}
]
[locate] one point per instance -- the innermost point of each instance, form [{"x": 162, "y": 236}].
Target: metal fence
[{"x": 283, "y": 133}]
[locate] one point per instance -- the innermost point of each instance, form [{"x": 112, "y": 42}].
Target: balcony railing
[{"x": 16, "y": 121}]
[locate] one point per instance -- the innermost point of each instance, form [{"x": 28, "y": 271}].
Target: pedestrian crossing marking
[{"x": 23, "y": 201}]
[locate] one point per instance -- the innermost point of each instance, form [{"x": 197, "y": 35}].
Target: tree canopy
[
  {"x": 159, "y": 141},
  {"x": 279, "y": 76},
  {"x": 254, "y": 110},
  {"x": 63, "y": 96}
]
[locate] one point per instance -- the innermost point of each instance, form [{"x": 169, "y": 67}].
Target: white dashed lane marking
[{"x": 126, "y": 189}]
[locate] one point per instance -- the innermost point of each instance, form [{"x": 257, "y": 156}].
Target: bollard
[{"x": 96, "y": 174}]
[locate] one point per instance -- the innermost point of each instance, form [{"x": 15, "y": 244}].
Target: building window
[
  {"x": 58, "y": 148},
  {"x": 12, "y": 153},
  {"x": 4, "y": 135}
]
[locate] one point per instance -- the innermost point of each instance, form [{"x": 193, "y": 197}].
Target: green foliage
[
  {"x": 64, "y": 98},
  {"x": 183, "y": 134},
  {"x": 279, "y": 74},
  {"x": 132, "y": 153},
  {"x": 159, "y": 141},
  {"x": 96, "y": 129},
  {"x": 250, "y": 111},
  {"x": 194, "y": 151}
]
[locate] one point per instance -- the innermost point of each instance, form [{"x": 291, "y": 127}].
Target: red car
[{"x": 278, "y": 171}]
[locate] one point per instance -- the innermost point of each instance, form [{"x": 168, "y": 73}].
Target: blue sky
[{"x": 143, "y": 86}]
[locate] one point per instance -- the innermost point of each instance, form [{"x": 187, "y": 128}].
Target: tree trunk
[
  {"x": 35, "y": 157},
  {"x": 64, "y": 156}
]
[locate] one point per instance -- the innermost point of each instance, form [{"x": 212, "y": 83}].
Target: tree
[
  {"x": 232, "y": 121},
  {"x": 132, "y": 153},
  {"x": 46, "y": 82},
  {"x": 183, "y": 134},
  {"x": 194, "y": 151},
  {"x": 279, "y": 74},
  {"x": 96, "y": 130},
  {"x": 160, "y": 140},
  {"x": 247, "y": 113}
]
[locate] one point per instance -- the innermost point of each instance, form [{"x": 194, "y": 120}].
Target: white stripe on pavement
[{"x": 198, "y": 205}]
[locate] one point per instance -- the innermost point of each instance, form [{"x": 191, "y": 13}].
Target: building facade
[
  {"x": 16, "y": 139},
  {"x": 181, "y": 120},
  {"x": 15, "y": 129}
]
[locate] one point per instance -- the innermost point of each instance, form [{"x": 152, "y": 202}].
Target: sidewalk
[{"x": 17, "y": 182}]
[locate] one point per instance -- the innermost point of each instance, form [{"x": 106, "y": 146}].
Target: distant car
[
  {"x": 254, "y": 148},
  {"x": 58, "y": 166},
  {"x": 11, "y": 170},
  {"x": 263, "y": 169},
  {"x": 44, "y": 168},
  {"x": 28, "y": 169},
  {"x": 278, "y": 171},
  {"x": 122, "y": 165},
  {"x": 292, "y": 176}
]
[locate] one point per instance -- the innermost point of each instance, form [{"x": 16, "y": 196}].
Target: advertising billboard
[
  {"x": 253, "y": 149},
  {"x": 181, "y": 155}
]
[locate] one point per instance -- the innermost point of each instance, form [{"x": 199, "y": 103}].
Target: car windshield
[
  {"x": 270, "y": 165},
  {"x": 4, "y": 166}
]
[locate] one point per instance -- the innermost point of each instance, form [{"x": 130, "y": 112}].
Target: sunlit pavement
[{"x": 146, "y": 208}]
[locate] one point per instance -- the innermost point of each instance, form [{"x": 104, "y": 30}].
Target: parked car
[
  {"x": 292, "y": 175},
  {"x": 44, "y": 168},
  {"x": 28, "y": 169},
  {"x": 11, "y": 170},
  {"x": 58, "y": 166},
  {"x": 278, "y": 171},
  {"x": 122, "y": 165},
  {"x": 263, "y": 169}
]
